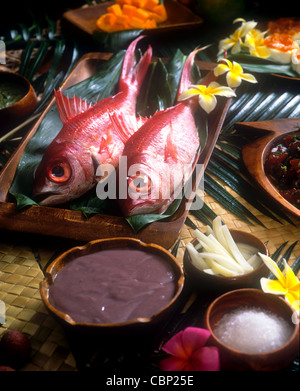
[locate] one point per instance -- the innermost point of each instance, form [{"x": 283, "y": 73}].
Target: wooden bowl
[
  {"x": 272, "y": 360},
  {"x": 14, "y": 113},
  {"x": 133, "y": 325},
  {"x": 255, "y": 154},
  {"x": 204, "y": 281}
]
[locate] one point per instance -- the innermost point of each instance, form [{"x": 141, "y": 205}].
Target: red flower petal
[
  {"x": 172, "y": 364},
  {"x": 175, "y": 347},
  {"x": 206, "y": 359},
  {"x": 194, "y": 338}
]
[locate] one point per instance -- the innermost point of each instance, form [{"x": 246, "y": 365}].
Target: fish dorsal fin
[
  {"x": 186, "y": 77},
  {"x": 171, "y": 152},
  {"x": 125, "y": 127},
  {"x": 69, "y": 108}
]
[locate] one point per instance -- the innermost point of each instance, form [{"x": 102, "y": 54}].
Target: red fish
[
  {"x": 160, "y": 155},
  {"x": 88, "y": 138}
]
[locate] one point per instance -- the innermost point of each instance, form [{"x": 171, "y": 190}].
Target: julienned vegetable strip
[{"x": 217, "y": 253}]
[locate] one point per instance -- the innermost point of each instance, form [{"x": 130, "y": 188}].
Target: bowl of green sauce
[{"x": 17, "y": 99}]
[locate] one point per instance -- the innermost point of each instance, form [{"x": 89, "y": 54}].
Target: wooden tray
[
  {"x": 72, "y": 224},
  {"x": 255, "y": 154},
  {"x": 179, "y": 17}
]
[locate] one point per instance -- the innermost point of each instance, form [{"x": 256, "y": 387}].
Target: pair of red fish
[{"x": 159, "y": 152}]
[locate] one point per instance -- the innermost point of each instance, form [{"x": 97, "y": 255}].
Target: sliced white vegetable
[
  {"x": 209, "y": 230},
  {"x": 218, "y": 248},
  {"x": 196, "y": 258},
  {"x": 254, "y": 261},
  {"x": 217, "y": 268},
  {"x": 209, "y": 271},
  {"x": 220, "y": 254},
  {"x": 210, "y": 243},
  {"x": 217, "y": 228},
  {"x": 228, "y": 263},
  {"x": 235, "y": 251},
  {"x": 246, "y": 249}
]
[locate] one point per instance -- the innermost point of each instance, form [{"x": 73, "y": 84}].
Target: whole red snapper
[
  {"x": 88, "y": 138},
  {"x": 161, "y": 154}
]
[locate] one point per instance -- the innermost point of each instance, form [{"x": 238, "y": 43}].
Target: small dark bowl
[
  {"x": 272, "y": 360},
  {"x": 16, "y": 112},
  {"x": 204, "y": 281},
  {"x": 131, "y": 326}
]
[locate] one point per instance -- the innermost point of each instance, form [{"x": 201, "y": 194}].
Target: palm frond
[{"x": 278, "y": 257}]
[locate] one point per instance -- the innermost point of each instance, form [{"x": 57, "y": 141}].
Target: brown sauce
[{"x": 113, "y": 285}]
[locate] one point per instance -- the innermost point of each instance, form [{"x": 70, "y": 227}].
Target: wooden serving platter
[
  {"x": 84, "y": 19},
  {"x": 60, "y": 222},
  {"x": 255, "y": 153}
]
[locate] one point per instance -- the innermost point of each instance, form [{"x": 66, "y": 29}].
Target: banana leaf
[{"x": 115, "y": 41}]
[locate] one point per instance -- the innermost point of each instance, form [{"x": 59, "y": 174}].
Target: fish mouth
[{"x": 49, "y": 198}]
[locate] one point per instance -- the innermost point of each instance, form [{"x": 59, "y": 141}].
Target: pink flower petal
[
  {"x": 175, "y": 347},
  {"x": 172, "y": 364},
  {"x": 206, "y": 359},
  {"x": 194, "y": 338}
]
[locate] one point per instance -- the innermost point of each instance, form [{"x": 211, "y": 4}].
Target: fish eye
[
  {"x": 59, "y": 171},
  {"x": 140, "y": 183}
]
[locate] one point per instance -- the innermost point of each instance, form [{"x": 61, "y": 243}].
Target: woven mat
[{"x": 23, "y": 257}]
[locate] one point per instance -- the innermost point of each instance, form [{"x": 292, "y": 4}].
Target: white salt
[{"x": 252, "y": 330}]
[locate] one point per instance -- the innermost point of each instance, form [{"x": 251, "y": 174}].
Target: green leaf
[
  {"x": 260, "y": 65},
  {"x": 190, "y": 224},
  {"x": 23, "y": 200},
  {"x": 137, "y": 222},
  {"x": 213, "y": 188},
  {"x": 115, "y": 41},
  {"x": 239, "y": 185},
  {"x": 296, "y": 266},
  {"x": 90, "y": 204},
  {"x": 26, "y": 56},
  {"x": 38, "y": 59},
  {"x": 56, "y": 59}
]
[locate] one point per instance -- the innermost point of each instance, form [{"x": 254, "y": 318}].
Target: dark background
[{"x": 214, "y": 11}]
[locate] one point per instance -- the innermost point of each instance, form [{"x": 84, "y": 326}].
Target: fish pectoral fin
[
  {"x": 106, "y": 140},
  {"x": 171, "y": 152},
  {"x": 69, "y": 108},
  {"x": 125, "y": 127}
]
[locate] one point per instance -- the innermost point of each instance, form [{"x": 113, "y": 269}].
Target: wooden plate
[
  {"x": 72, "y": 224},
  {"x": 179, "y": 17},
  {"x": 255, "y": 154}
]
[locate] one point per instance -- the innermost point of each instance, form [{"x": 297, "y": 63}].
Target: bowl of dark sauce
[{"x": 113, "y": 285}]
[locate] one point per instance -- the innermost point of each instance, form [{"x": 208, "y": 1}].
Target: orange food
[
  {"x": 284, "y": 26},
  {"x": 132, "y": 14},
  {"x": 281, "y": 42}
]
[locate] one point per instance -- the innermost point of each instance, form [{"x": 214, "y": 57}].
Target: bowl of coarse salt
[
  {"x": 222, "y": 259},
  {"x": 253, "y": 330}
]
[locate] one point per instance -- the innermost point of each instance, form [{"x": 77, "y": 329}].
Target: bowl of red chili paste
[{"x": 282, "y": 167}]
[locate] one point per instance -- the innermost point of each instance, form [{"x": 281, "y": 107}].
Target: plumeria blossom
[
  {"x": 255, "y": 42},
  {"x": 234, "y": 41},
  {"x": 287, "y": 284},
  {"x": 207, "y": 94},
  {"x": 235, "y": 73},
  {"x": 188, "y": 352}
]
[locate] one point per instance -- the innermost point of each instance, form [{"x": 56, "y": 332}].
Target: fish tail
[
  {"x": 186, "y": 77},
  {"x": 134, "y": 74}
]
